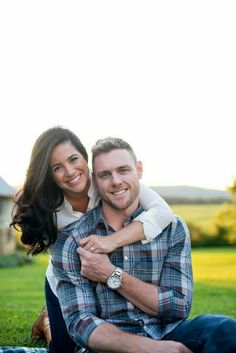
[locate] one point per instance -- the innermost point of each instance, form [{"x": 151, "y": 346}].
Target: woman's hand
[{"x": 99, "y": 244}]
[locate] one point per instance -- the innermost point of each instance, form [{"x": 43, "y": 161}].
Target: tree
[
  {"x": 232, "y": 190},
  {"x": 226, "y": 219}
]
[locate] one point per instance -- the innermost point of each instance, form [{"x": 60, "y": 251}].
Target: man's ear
[{"x": 139, "y": 167}]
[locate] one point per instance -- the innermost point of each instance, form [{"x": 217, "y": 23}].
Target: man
[{"x": 137, "y": 299}]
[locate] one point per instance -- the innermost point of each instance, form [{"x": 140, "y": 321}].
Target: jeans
[
  {"x": 206, "y": 334},
  {"x": 61, "y": 341},
  {"x": 16, "y": 349}
]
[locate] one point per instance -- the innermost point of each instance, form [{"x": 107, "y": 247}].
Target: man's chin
[{"x": 120, "y": 206}]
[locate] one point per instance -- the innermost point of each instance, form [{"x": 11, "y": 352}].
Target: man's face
[{"x": 117, "y": 178}]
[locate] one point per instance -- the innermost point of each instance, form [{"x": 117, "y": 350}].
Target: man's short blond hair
[{"x": 109, "y": 144}]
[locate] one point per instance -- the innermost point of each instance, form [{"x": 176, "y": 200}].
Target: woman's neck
[{"x": 78, "y": 200}]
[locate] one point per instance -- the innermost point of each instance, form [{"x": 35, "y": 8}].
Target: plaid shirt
[{"x": 165, "y": 262}]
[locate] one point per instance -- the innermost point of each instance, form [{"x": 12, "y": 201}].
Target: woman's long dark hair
[{"x": 36, "y": 204}]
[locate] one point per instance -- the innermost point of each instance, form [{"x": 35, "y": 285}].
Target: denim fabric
[
  {"x": 61, "y": 341},
  {"x": 206, "y": 334},
  {"x": 18, "y": 349}
]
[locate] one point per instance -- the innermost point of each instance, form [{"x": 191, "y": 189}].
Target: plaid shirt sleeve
[
  {"x": 75, "y": 293},
  {"x": 176, "y": 282}
]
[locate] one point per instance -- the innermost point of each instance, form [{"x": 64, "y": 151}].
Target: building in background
[{"x": 7, "y": 234}]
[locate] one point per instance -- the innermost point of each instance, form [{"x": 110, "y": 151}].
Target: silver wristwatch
[{"x": 114, "y": 280}]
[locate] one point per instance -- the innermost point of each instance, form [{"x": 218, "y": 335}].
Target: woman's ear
[
  {"x": 94, "y": 179},
  {"x": 139, "y": 168}
]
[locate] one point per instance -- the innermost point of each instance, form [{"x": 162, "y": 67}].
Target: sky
[{"x": 159, "y": 74}]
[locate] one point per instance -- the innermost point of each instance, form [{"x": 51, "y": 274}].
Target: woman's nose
[{"x": 69, "y": 170}]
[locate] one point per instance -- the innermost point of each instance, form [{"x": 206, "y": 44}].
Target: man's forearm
[
  {"x": 143, "y": 295},
  {"x": 108, "y": 338},
  {"x": 97, "y": 267}
]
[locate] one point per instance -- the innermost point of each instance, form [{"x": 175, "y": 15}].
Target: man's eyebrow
[
  {"x": 124, "y": 166},
  {"x": 103, "y": 172}
]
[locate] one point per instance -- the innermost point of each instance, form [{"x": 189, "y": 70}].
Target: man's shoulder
[
  {"x": 178, "y": 228},
  {"x": 179, "y": 221}
]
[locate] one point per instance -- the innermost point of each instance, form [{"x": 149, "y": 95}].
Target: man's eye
[
  {"x": 104, "y": 176},
  {"x": 124, "y": 170}
]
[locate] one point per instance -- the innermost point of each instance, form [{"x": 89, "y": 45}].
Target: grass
[
  {"x": 215, "y": 281},
  {"x": 22, "y": 292},
  {"x": 21, "y": 300},
  {"x": 200, "y": 215}
]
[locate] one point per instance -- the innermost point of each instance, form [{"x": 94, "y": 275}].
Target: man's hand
[{"x": 96, "y": 267}]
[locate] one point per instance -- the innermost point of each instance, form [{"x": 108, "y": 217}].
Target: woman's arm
[{"x": 157, "y": 215}]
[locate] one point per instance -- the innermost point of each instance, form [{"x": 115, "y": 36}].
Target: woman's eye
[
  {"x": 56, "y": 169},
  {"x": 74, "y": 159}
]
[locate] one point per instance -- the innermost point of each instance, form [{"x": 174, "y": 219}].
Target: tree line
[{"x": 224, "y": 226}]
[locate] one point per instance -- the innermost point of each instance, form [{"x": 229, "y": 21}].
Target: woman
[{"x": 58, "y": 189}]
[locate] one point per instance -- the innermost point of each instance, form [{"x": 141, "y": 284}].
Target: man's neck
[{"x": 116, "y": 218}]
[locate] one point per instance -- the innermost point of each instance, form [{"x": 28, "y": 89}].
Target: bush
[
  {"x": 226, "y": 224},
  {"x": 15, "y": 259},
  {"x": 201, "y": 238}
]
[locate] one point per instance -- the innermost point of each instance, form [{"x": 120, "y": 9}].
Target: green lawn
[
  {"x": 22, "y": 296},
  {"x": 21, "y": 299},
  {"x": 200, "y": 215},
  {"x": 215, "y": 281}
]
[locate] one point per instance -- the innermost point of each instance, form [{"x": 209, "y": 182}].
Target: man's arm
[
  {"x": 97, "y": 267},
  {"x": 108, "y": 338},
  {"x": 171, "y": 299}
]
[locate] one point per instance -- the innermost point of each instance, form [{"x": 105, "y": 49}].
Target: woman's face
[{"x": 69, "y": 168}]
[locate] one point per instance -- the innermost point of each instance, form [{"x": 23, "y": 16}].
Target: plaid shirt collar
[{"x": 100, "y": 220}]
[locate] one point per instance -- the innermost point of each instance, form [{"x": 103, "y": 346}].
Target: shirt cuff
[
  {"x": 86, "y": 326},
  {"x": 150, "y": 227},
  {"x": 165, "y": 298}
]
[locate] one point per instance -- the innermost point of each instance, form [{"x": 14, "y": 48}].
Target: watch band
[
  {"x": 114, "y": 280},
  {"x": 118, "y": 272}
]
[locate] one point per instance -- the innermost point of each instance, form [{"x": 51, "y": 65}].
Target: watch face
[{"x": 114, "y": 282}]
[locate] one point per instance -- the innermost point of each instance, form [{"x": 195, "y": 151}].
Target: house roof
[{"x": 5, "y": 189}]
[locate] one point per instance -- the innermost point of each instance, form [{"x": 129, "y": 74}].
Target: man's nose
[{"x": 116, "y": 179}]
